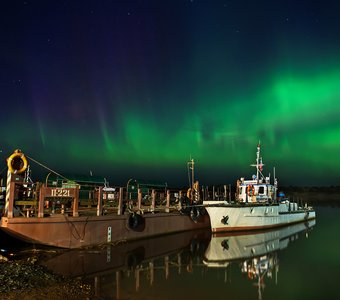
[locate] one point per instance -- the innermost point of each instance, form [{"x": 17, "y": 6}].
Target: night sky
[{"x": 133, "y": 89}]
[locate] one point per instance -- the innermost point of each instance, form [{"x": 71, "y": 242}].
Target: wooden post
[
  {"x": 10, "y": 189},
  {"x": 139, "y": 204},
  {"x": 41, "y": 202},
  {"x": 76, "y": 202},
  {"x": 167, "y": 207},
  {"x": 100, "y": 202},
  {"x": 229, "y": 193},
  {"x": 153, "y": 200},
  {"x": 12, "y": 180},
  {"x": 120, "y": 202},
  {"x": 11, "y": 200},
  {"x": 179, "y": 200},
  {"x": 9, "y": 194}
]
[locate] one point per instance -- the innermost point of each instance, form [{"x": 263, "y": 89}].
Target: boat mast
[
  {"x": 191, "y": 172},
  {"x": 258, "y": 164}
]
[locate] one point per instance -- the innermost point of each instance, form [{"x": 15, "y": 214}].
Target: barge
[{"x": 56, "y": 216}]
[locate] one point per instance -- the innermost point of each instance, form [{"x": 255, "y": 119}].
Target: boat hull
[
  {"x": 76, "y": 232},
  {"x": 236, "y": 217}
]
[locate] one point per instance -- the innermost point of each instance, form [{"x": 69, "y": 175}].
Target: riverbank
[{"x": 24, "y": 279}]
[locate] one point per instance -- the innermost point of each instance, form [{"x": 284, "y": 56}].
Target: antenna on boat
[
  {"x": 259, "y": 165},
  {"x": 191, "y": 172}
]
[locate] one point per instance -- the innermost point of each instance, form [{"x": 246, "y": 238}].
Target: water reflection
[
  {"x": 256, "y": 253},
  {"x": 111, "y": 268},
  {"x": 177, "y": 266}
]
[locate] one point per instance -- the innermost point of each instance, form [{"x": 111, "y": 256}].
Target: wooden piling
[
  {"x": 120, "y": 202},
  {"x": 139, "y": 202},
  {"x": 179, "y": 200},
  {"x": 153, "y": 200},
  {"x": 167, "y": 207},
  {"x": 100, "y": 202},
  {"x": 41, "y": 202},
  {"x": 76, "y": 203}
]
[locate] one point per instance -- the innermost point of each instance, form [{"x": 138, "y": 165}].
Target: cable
[{"x": 47, "y": 168}]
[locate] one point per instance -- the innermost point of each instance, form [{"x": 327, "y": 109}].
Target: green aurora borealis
[{"x": 140, "y": 106}]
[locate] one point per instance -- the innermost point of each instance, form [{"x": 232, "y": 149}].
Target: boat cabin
[
  {"x": 258, "y": 189},
  {"x": 252, "y": 191}
]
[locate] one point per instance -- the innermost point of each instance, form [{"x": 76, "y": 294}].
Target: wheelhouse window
[{"x": 261, "y": 189}]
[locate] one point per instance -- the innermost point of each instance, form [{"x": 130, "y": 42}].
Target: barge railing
[{"x": 38, "y": 200}]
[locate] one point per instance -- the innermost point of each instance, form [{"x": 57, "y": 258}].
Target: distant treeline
[
  {"x": 321, "y": 195},
  {"x": 312, "y": 189}
]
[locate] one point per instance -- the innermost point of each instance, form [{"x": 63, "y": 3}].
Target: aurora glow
[{"x": 134, "y": 88}]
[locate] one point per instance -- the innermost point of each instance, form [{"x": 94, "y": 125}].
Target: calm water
[{"x": 298, "y": 262}]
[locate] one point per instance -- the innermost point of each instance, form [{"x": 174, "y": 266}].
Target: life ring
[
  {"x": 17, "y": 162},
  {"x": 190, "y": 193},
  {"x": 250, "y": 190},
  {"x": 250, "y": 274},
  {"x": 193, "y": 194}
]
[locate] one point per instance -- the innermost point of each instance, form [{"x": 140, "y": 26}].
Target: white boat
[{"x": 257, "y": 205}]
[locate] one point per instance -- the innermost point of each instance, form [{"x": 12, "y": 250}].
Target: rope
[
  {"x": 47, "y": 168},
  {"x": 72, "y": 226}
]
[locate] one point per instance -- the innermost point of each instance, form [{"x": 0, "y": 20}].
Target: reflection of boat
[
  {"x": 224, "y": 248},
  {"x": 134, "y": 266},
  {"x": 171, "y": 266},
  {"x": 257, "y": 252},
  {"x": 109, "y": 258},
  {"x": 257, "y": 206},
  {"x": 57, "y": 216}
]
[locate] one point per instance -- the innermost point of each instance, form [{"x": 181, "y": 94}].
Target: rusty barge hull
[{"x": 84, "y": 231}]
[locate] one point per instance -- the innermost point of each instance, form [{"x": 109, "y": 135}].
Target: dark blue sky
[{"x": 134, "y": 88}]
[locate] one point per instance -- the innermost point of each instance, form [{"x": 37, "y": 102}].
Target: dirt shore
[{"x": 25, "y": 279}]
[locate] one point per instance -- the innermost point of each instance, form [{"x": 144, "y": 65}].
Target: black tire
[{"x": 136, "y": 222}]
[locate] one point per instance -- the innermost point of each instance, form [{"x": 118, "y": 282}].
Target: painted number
[{"x": 60, "y": 193}]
